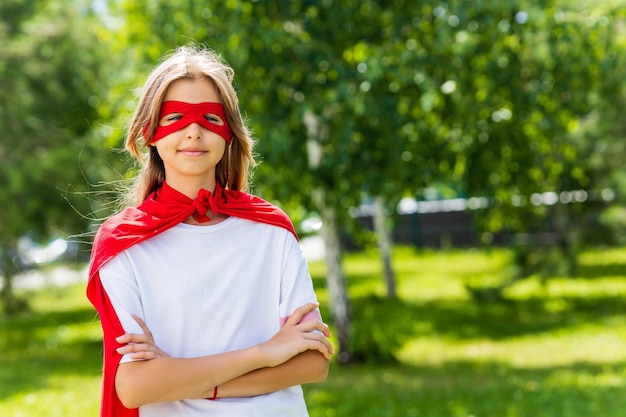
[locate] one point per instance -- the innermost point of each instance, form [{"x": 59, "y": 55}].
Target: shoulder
[
  {"x": 116, "y": 234},
  {"x": 117, "y": 223},
  {"x": 252, "y": 207},
  {"x": 127, "y": 215}
]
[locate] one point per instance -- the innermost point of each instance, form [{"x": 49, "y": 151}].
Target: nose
[{"x": 194, "y": 131}]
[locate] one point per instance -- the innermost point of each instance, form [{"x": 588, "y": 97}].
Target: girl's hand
[
  {"x": 296, "y": 337},
  {"x": 141, "y": 346}
]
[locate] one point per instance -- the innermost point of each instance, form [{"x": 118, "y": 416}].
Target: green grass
[
  {"x": 50, "y": 362},
  {"x": 555, "y": 349}
]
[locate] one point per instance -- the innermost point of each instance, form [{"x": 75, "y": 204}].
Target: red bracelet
[{"x": 214, "y": 394}]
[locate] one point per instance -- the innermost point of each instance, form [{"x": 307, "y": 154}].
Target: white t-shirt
[{"x": 204, "y": 290}]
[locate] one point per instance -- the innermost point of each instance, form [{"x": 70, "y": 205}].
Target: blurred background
[{"x": 455, "y": 170}]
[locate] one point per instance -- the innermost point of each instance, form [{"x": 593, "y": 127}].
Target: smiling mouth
[{"x": 192, "y": 152}]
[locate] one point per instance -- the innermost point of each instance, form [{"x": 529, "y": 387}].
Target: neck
[
  {"x": 215, "y": 219},
  {"x": 191, "y": 187}
]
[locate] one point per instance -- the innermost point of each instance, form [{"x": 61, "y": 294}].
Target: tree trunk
[
  {"x": 383, "y": 236},
  {"x": 567, "y": 240},
  {"x": 10, "y": 303},
  {"x": 335, "y": 278}
]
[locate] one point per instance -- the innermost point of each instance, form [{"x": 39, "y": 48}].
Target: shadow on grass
[
  {"x": 520, "y": 317},
  {"x": 591, "y": 271},
  {"x": 38, "y": 346},
  {"x": 488, "y": 389},
  {"x": 381, "y": 326}
]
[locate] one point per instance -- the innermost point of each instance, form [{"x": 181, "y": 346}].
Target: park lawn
[{"x": 553, "y": 349}]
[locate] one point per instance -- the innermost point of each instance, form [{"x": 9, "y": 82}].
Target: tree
[
  {"x": 487, "y": 98},
  {"x": 541, "y": 73},
  {"x": 385, "y": 98},
  {"x": 45, "y": 113},
  {"x": 252, "y": 37}
]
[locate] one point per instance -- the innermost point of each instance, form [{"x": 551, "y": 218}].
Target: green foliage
[
  {"x": 49, "y": 81},
  {"x": 614, "y": 219},
  {"x": 520, "y": 78},
  {"x": 45, "y": 115},
  {"x": 491, "y": 98}
]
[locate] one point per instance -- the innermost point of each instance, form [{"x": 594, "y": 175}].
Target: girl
[{"x": 204, "y": 296}]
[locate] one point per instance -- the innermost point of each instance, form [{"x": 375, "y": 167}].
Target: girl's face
[{"x": 191, "y": 154}]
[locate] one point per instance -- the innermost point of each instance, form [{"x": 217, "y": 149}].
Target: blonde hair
[{"x": 189, "y": 62}]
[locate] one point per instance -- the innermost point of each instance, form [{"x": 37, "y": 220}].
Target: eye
[
  {"x": 213, "y": 118},
  {"x": 168, "y": 119}
]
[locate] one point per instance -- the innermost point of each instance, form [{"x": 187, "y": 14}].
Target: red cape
[{"x": 162, "y": 210}]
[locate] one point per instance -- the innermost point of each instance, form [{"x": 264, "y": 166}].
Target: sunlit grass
[
  {"x": 62, "y": 397},
  {"x": 550, "y": 348},
  {"x": 50, "y": 362}
]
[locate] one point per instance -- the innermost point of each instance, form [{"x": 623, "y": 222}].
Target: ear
[{"x": 154, "y": 151}]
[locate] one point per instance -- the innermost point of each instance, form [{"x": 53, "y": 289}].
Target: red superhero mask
[{"x": 191, "y": 113}]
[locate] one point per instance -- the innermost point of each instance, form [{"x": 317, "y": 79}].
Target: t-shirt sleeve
[
  {"x": 296, "y": 285},
  {"x": 121, "y": 287}
]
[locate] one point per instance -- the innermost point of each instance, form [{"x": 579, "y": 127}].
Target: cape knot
[{"x": 202, "y": 204}]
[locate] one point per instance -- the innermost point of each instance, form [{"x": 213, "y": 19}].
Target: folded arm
[
  {"x": 252, "y": 371},
  {"x": 305, "y": 368}
]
